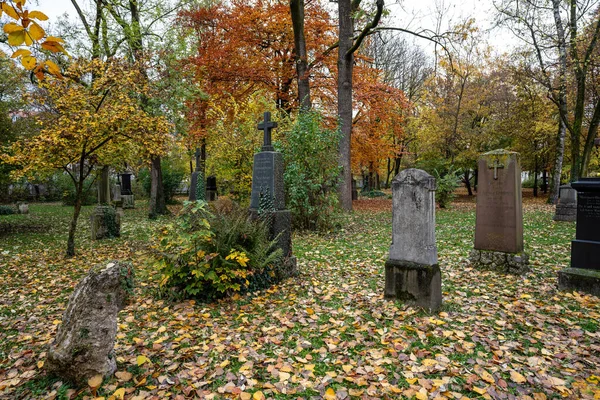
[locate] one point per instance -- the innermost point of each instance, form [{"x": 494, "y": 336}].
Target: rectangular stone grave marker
[
  {"x": 211, "y": 188},
  {"x": 584, "y": 273},
  {"x": 412, "y": 273},
  {"x": 499, "y": 214},
  {"x": 566, "y": 209},
  {"x": 126, "y": 192}
]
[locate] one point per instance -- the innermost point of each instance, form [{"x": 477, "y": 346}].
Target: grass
[{"x": 330, "y": 328}]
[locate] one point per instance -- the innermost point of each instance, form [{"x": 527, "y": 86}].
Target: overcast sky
[{"x": 412, "y": 14}]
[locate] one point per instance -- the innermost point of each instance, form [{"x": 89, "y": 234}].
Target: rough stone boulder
[{"x": 84, "y": 343}]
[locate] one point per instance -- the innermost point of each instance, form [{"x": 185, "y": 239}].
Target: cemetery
[{"x": 287, "y": 200}]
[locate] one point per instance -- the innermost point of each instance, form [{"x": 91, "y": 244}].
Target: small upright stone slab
[
  {"x": 412, "y": 273},
  {"x": 499, "y": 214},
  {"x": 584, "y": 274},
  {"x": 105, "y": 222},
  {"x": 566, "y": 208},
  {"x": 84, "y": 344},
  {"x": 267, "y": 181}
]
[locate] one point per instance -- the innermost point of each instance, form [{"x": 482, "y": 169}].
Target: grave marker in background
[{"x": 499, "y": 214}]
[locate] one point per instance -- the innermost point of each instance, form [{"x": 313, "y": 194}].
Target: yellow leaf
[
  {"x": 486, "y": 376},
  {"x": 54, "y": 39},
  {"x": 119, "y": 393},
  {"x": 38, "y": 15},
  {"x": 29, "y": 62},
  {"x": 330, "y": 394},
  {"x": 19, "y": 53},
  {"x": 36, "y": 31},
  {"x": 421, "y": 396},
  {"x": 40, "y": 364},
  {"x": 53, "y": 46},
  {"x": 28, "y": 39},
  {"x": 162, "y": 329},
  {"x": 517, "y": 377},
  {"x": 284, "y": 376},
  {"x": 310, "y": 311},
  {"x": 95, "y": 381},
  {"x": 16, "y": 38},
  {"x": 412, "y": 381},
  {"x": 258, "y": 396},
  {"x": 141, "y": 360},
  {"x": 355, "y": 392},
  {"x": 12, "y": 27},
  {"x": 479, "y": 390},
  {"x": 56, "y": 321},
  {"x": 593, "y": 379},
  {"x": 8, "y": 9},
  {"x": 429, "y": 362},
  {"x": 347, "y": 368},
  {"x": 52, "y": 68},
  {"x": 245, "y": 396}
]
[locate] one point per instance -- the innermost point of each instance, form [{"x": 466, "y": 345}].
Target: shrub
[
  {"x": 311, "y": 172},
  {"x": 61, "y": 187},
  {"x": 446, "y": 185},
  {"x": 172, "y": 176},
  {"x": 7, "y": 210},
  {"x": 209, "y": 255},
  {"x": 374, "y": 193}
]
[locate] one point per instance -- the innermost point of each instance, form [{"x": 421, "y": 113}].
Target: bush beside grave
[{"x": 209, "y": 255}]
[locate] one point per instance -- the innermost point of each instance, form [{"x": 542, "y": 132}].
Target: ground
[{"x": 325, "y": 334}]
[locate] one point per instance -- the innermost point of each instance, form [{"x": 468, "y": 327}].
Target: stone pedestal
[
  {"x": 105, "y": 222},
  {"x": 566, "y": 208},
  {"x": 584, "y": 274},
  {"x": 499, "y": 214},
  {"x": 411, "y": 271}
]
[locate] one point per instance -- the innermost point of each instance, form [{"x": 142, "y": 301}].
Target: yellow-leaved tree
[
  {"x": 24, "y": 33},
  {"x": 90, "y": 117}
]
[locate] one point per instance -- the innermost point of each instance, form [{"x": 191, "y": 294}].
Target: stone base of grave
[
  {"x": 281, "y": 228},
  {"x": 510, "y": 263},
  {"x": 415, "y": 284},
  {"x": 565, "y": 212},
  {"x": 288, "y": 269},
  {"x": 581, "y": 280},
  {"x": 585, "y": 254},
  {"x": 106, "y": 223},
  {"x": 211, "y": 195},
  {"x": 128, "y": 201}
]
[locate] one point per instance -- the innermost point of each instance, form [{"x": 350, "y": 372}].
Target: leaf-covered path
[{"x": 325, "y": 334}]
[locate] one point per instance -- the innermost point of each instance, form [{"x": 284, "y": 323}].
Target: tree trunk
[
  {"x": 467, "y": 180},
  {"x": 560, "y": 151},
  {"x": 76, "y": 212},
  {"x": 535, "y": 178},
  {"x": 345, "y": 66},
  {"x": 157, "y": 195},
  {"x": 297, "y": 12},
  {"x": 545, "y": 181}
]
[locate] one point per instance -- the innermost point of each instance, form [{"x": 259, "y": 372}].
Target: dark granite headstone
[
  {"x": 267, "y": 180},
  {"x": 566, "y": 208},
  {"x": 126, "y": 184},
  {"x": 412, "y": 273},
  {"x": 211, "y": 188},
  {"x": 499, "y": 214},
  {"x": 584, "y": 274}
]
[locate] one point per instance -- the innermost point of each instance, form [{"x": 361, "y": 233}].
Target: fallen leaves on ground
[{"x": 325, "y": 334}]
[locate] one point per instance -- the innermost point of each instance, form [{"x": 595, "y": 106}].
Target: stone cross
[
  {"x": 496, "y": 165},
  {"x": 267, "y": 125}
]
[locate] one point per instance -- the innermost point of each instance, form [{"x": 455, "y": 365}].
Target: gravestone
[
  {"x": 118, "y": 200},
  {"x": 412, "y": 273},
  {"x": 354, "y": 190},
  {"x": 23, "y": 208},
  {"x": 211, "y": 188},
  {"x": 267, "y": 188},
  {"x": 85, "y": 340},
  {"x": 126, "y": 192},
  {"x": 584, "y": 273},
  {"x": 105, "y": 221},
  {"x": 197, "y": 190},
  {"x": 566, "y": 208},
  {"x": 499, "y": 214}
]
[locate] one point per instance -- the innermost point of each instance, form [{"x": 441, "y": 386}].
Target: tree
[
  {"x": 89, "y": 122},
  {"x": 348, "y": 44},
  {"x": 562, "y": 37}
]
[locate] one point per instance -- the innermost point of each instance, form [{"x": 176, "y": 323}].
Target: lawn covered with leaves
[{"x": 327, "y": 333}]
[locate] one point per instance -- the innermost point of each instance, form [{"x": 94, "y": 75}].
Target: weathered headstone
[
  {"x": 412, "y": 273},
  {"x": 126, "y": 192},
  {"x": 566, "y": 208},
  {"x": 267, "y": 188},
  {"x": 104, "y": 220},
  {"x": 354, "y": 190},
  {"x": 211, "y": 188},
  {"x": 584, "y": 273},
  {"x": 84, "y": 343},
  {"x": 499, "y": 214},
  {"x": 23, "y": 208}
]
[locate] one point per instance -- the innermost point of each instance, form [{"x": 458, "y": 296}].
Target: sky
[{"x": 413, "y": 14}]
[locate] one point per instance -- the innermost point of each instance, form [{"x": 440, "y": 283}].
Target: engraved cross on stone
[
  {"x": 267, "y": 125},
  {"x": 496, "y": 165}
]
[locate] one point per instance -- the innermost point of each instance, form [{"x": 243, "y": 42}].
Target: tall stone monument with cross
[
  {"x": 268, "y": 196},
  {"x": 499, "y": 214}
]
